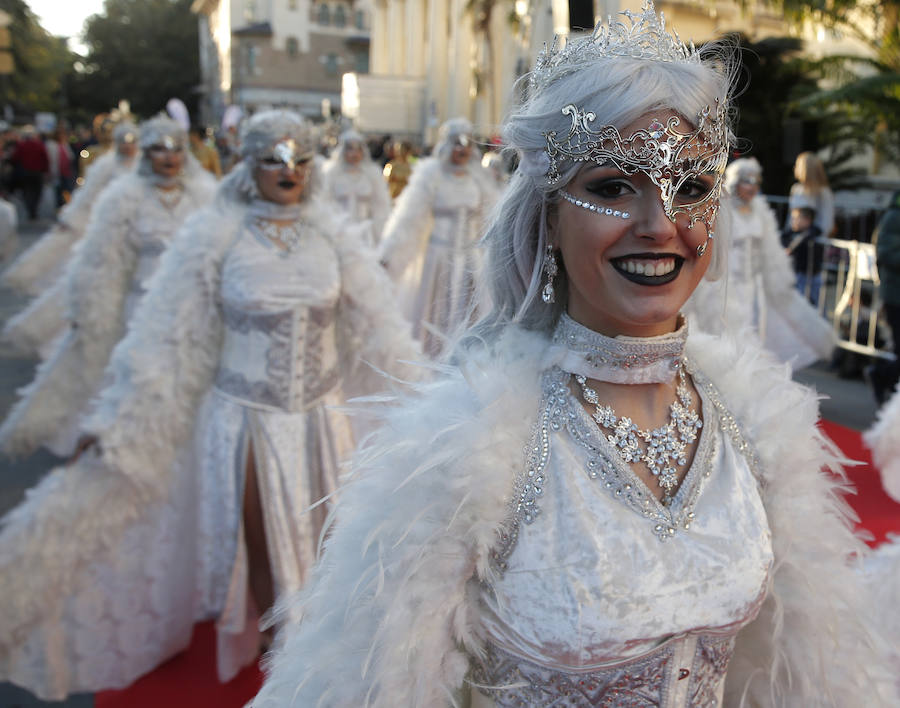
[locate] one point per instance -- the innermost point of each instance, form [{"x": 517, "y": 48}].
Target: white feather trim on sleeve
[
  {"x": 161, "y": 370},
  {"x": 387, "y": 619}
]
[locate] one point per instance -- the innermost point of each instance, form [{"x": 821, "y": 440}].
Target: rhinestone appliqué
[
  {"x": 663, "y": 449},
  {"x": 289, "y": 234}
]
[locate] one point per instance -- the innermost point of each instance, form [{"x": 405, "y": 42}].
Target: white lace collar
[{"x": 622, "y": 360}]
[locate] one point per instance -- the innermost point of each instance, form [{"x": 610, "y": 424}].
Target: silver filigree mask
[
  {"x": 285, "y": 153},
  {"x": 672, "y": 158}
]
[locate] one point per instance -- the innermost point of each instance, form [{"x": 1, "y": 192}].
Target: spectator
[
  {"x": 811, "y": 189},
  {"x": 62, "y": 165},
  {"x": 206, "y": 155},
  {"x": 800, "y": 239},
  {"x": 31, "y": 166}
]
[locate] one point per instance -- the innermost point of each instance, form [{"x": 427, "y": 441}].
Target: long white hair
[{"x": 618, "y": 90}]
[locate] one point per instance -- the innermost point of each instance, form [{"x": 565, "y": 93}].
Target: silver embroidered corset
[
  {"x": 285, "y": 360},
  {"x": 684, "y": 671}
]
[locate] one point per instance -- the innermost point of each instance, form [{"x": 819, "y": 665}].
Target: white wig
[
  {"x": 259, "y": 135},
  {"x": 155, "y": 132},
  {"x": 448, "y": 136},
  {"x": 126, "y": 132},
  {"x": 618, "y": 90},
  {"x": 741, "y": 169},
  {"x": 348, "y": 138}
]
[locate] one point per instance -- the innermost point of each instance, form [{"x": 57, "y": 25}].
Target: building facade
[{"x": 280, "y": 53}]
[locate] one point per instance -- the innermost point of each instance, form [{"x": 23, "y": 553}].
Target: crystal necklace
[
  {"x": 289, "y": 234},
  {"x": 169, "y": 197},
  {"x": 664, "y": 449},
  {"x": 277, "y": 222}
]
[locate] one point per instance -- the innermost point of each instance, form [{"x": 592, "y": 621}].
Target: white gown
[
  {"x": 238, "y": 346},
  {"x": 431, "y": 248},
  {"x": 758, "y": 295},
  {"x": 131, "y": 226},
  {"x": 360, "y": 191}
]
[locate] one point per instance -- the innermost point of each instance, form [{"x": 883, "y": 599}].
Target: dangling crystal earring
[
  {"x": 701, "y": 249},
  {"x": 551, "y": 268}
]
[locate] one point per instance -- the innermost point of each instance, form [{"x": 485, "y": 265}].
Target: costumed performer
[
  {"x": 594, "y": 506},
  {"x": 355, "y": 183},
  {"x": 131, "y": 224},
  {"x": 759, "y": 295},
  {"x": 41, "y": 264},
  {"x": 430, "y": 244},
  {"x": 195, "y": 495}
]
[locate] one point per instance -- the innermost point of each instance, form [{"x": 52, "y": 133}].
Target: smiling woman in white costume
[
  {"x": 216, "y": 435},
  {"x": 131, "y": 225},
  {"x": 668, "y": 537}
]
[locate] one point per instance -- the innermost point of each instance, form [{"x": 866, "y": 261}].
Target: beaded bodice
[{"x": 279, "y": 309}]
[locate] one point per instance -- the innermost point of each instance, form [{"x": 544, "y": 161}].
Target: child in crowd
[{"x": 800, "y": 238}]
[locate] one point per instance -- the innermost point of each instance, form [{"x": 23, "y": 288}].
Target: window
[
  {"x": 581, "y": 15},
  {"x": 331, "y": 64},
  {"x": 340, "y": 16},
  {"x": 361, "y": 62},
  {"x": 292, "y": 47},
  {"x": 324, "y": 15},
  {"x": 250, "y": 56},
  {"x": 250, "y": 11},
  {"x": 360, "y": 19}
]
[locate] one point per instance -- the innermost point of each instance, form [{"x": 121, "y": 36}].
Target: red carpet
[
  {"x": 189, "y": 680},
  {"x": 878, "y": 513}
]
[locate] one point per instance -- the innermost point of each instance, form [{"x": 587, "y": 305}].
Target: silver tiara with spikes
[{"x": 644, "y": 36}]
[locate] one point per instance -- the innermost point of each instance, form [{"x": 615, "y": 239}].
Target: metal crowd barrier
[{"x": 849, "y": 295}]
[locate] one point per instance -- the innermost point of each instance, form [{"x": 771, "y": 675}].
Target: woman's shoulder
[{"x": 756, "y": 388}]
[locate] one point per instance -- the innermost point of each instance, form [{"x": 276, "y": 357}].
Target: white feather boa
[
  {"x": 883, "y": 438},
  {"x": 389, "y": 618},
  {"x": 97, "y": 281}
]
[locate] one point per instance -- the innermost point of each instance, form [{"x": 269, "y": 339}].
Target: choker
[
  {"x": 166, "y": 182},
  {"x": 619, "y": 360},
  {"x": 270, "y": 211}
]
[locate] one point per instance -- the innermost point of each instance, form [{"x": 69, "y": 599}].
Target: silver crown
[{"x": 644, "y": 36}]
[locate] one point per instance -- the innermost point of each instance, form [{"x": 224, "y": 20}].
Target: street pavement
[{"x": 846, "y": 401}]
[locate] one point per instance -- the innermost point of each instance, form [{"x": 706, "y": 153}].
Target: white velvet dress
[
  {"x": 238, "y": 347},
  {"x": 431, "y": 248},
  {"x": 590, "y": 597},
  {"x": 277, "y": 376}
]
